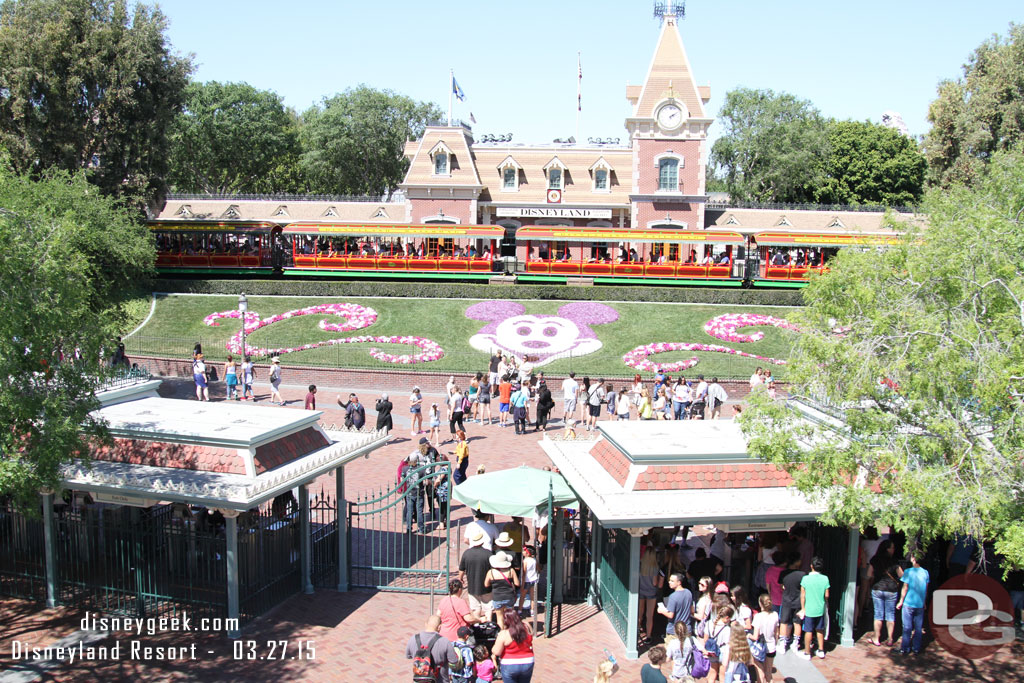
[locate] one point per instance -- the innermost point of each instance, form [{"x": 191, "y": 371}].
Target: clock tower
[{"x": 668, "y": 132}]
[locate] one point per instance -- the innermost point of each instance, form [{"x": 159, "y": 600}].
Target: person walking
[
  {"x": 594, "y": 399},
  {"x": 455, "y": 411},
  {"x": 248, "y": 375},
  {"x": 814, "y": 589},
  {"x": 384, "y": 408},
  {"x": 503, "y": 582},
  {"x": 416, "y": 410},
  {"x": 884, "y": 577},
  {"x": 483, "y": 399},
  {"x": 681, "y": 399},
  {"x": 545, "y": 404},
  {"x": 461, "y": 457},
  {"x": 520, "y": 397},
  {"x": 514, "y": 647},
  {"x": 311, "y": 398},
  {"x": 570, "y": 389},
  {"x": 231, "y": 378},
  {"x": 199, "y": 377},
  {"x": 472, "y": 394},
  {"x": 678, "y": 605},
  {"x": 430, "y": 651},
  {"x": 454, "y": 612},
  {"x": 473, "y": 567},
  {"x": 912, "y": 601},
  {"x": 275, "y": 381},
  {"x": 718, "y": 397},
  {"x": 411, "y": 484}
]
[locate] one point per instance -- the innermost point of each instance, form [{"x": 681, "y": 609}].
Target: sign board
[
  {"x": 746, "y": 527},
  {"x": 552, "y": 212},
  {"x": 118, "y": 499}
]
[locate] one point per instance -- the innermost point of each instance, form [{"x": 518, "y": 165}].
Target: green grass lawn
[{"x": 178, "y": 323}]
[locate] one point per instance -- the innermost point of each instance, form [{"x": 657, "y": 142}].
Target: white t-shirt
[
  {"x": 767, "y": 623},
  {"x": 701, "y": 392},
  {"x": 743, "y": 614},
  {"x": 570, "y": 388},
  {"x": 755, "y": 380},
  {"x": 681, "y": 393},
  {"x": 623, "y": 407}
]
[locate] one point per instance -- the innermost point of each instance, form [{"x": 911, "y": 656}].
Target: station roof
[{"x": 651, "y": 473}]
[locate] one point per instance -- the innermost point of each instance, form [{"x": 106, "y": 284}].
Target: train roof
[
  {"x": 573, "y": 234},
  {"x": 819, "y": 239},
  {"x": 210, "y": 226},
  {"x": 395, "y": 230}
]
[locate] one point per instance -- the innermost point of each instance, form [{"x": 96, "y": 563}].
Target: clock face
[{"x": 670, "y": 116}]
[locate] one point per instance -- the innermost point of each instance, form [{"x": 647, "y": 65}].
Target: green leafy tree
[
  {"x": 919, "y": 351},
  {"x": 772, "y": 149},
  {"x": 85, "y": 84},
  {"x": 231, "y": 138},
  {"x": 353, "y": 143},
  {"x": 67, "y": 250},
  {"x": 869, "y": 163},
  {"x": 975, "y": 116}
]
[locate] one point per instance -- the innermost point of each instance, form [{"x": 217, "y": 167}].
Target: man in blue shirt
[
  {"x": 678, "y": 605},
  {"x": 912, "y": 601}
]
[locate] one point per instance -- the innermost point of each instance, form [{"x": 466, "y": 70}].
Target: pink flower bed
[
  {"x": 356, "y": 318},
  {"x": 724, "y": 326},
  {"x": 639, "y": 358}
]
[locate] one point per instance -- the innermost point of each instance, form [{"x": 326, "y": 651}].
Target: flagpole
[
  {"x": 579, "y": 93},
  {"x": 451, "y": 91}
]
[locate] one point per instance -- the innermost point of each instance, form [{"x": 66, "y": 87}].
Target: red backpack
[{"x": 423, "y": 668}]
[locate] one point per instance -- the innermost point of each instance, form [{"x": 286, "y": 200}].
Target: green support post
[
  {"x": 305, "y": 549},
  {"x": 231, "y": 537},
  {"x": 633, "y": 611},
  {"x": 547, "y": 597},
  {"x": 558, "y": 537},
  {"x": 594, "y": 592},
  {"x": 849, "y": 604},
  {"x": 50, "y": 542},
  {"x": 339, "y": 491}
]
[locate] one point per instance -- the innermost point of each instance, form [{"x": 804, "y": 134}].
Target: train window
[
  {"x": 561, "y": 251},
  {"x": 668, "y": 175},
  {"x": 448, "y": 246}
]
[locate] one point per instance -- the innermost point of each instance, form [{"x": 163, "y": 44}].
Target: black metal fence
[{"x": 22, "y": 555}]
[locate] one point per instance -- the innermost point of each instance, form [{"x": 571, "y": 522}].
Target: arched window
[{"x": 668, "y": 175}]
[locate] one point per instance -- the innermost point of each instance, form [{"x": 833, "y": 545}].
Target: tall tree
[
  {"x": 979, "y": 114},
  {"x": 230, "y": 138},
  {"x": 869, "y": 163},
  {"x": 772, "y": 148},
  {"x": 67, "y": 250},
  {"x": 86, "y": 84},
  {"x": 920, "y": 351},
  {"x": 353, "y": 143}
]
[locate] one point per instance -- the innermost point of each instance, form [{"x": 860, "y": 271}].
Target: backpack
[
  {"x": 711, "y": 646},
  {"x": 463, "y": 671},
  {"x": 758, "y": 648},
  {"x": 423, "y": 668},
  {"x": 737, "y": 673},
  {"x": 697, "y": 664}
]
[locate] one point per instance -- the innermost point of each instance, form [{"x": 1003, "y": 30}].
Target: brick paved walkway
[{"x": 361, "y": 635}]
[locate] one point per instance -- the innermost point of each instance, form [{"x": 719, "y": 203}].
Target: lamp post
[{"x": 243, "y": 306}]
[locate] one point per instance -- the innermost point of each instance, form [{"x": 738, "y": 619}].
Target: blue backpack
[
  {"x": 737, "y": 673},
  {"x": 463, "y": 671},
  {"x": 711, "y": 646}
]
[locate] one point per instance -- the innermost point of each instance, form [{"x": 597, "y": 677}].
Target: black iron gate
[
  {"x": 391, "y": 546},
  {"x": 323, "y": 531}
]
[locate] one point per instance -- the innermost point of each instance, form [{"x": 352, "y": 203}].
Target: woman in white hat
[
  {"x": 275, "y": 381},
  {"x": 503, "y": 581}
]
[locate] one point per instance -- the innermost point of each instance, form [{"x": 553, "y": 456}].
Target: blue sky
[{"x": 516, "y": 61}]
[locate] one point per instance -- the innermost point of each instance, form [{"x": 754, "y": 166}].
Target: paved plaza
[{"x": 361, "y": 635}]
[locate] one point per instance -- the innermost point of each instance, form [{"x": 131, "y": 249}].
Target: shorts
[
  {"x": 200, "y": 379},
  {"x": 231, "y": 380},
  {"x": 503, "y": 407},
  {"x": 814, "y": 624},
  {"x": 415, "y": 410},
  {"x": 478, "y": 603},
  {"x": 787, "y": 615},
  {"x": 436, "y": 422},
  {"x": 484, "y": 398},
  {"x": 570, "y": 405},
  {"x": 498, "y": 604},
  {"x": 595, "y": 411},
  {"x": 885, "y": 605}
]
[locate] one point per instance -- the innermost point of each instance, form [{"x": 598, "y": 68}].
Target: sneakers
[
  {"x": 805, "y": 655},
  {"x": 821, "y": 654}
]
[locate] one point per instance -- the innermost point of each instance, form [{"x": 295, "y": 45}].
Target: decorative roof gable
[{"x": 669, "y": 75}]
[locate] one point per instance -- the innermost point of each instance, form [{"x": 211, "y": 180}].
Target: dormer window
[
  {"x": 509, "y": 170},
  {"x": 555, "y": 171},
  {"x": 554, "y": 179},
  {"x": 601, "y": 173},
  {"x": 441, "y": 155}
]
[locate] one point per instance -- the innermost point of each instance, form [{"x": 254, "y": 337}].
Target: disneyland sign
[{"x": 516, "y": 212}]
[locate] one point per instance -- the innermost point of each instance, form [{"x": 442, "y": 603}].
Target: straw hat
[
  {"x": 477, "y": 538},
  {"x": 503, "y": 540},
  {"x": 500, "y": 560},
  {"x": 275, "y": 359}
]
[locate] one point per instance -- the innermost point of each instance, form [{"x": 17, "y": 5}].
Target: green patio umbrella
[{"x": 517, "y": 492}]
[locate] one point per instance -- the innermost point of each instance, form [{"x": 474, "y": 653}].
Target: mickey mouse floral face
[{"x": 542, "y": 338}]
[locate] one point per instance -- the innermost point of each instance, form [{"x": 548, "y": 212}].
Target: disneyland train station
[{"x": 606, "y": 210}]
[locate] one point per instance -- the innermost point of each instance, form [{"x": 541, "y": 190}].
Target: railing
[
  {"x": 866, "y": 208},
  {"x": 395, "y": 197},
  {"x": 123, "y": 377}
]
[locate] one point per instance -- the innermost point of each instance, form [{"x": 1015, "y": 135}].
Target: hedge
[{"x": 456, "y": 290}]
